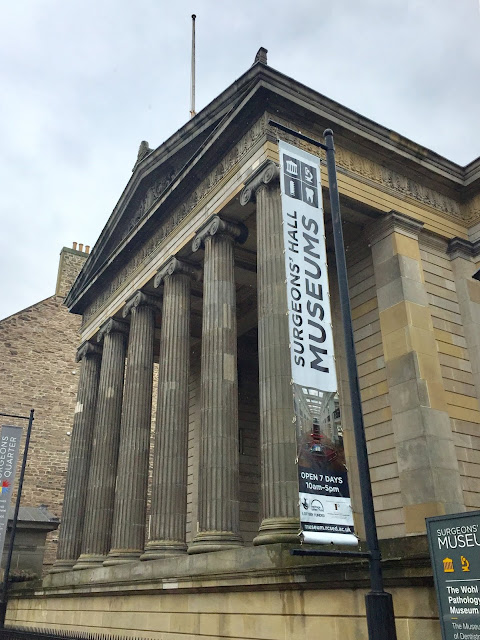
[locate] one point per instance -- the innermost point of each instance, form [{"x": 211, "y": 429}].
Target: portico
[{"x": 183, "y": 462}]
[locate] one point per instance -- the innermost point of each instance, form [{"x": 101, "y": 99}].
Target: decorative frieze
[
  {"x": 347, "y": 162},
  {"x": 233, "y": 158},
  {"x": 354, "y": 163}
]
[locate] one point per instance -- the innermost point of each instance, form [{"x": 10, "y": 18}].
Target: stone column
[
  {"x": 218, "y": 509},
  {"x": 70, "y": 538},
  {"x": 280, "y": 522},
  {"x": 97, "y": 528},
  {"x": 169, "y": 485},
  {"x": 128, "y": 531},
  {"x": 427, "y": 463}
]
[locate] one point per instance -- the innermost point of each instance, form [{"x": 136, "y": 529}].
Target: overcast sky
[{"x": 83, "y": 82}]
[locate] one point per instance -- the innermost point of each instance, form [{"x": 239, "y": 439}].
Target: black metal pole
[
  {"x": 379, "y": 604},
  {"x": 4, "y": 600}
]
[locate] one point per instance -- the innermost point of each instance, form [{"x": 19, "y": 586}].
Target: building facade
[
  {"x": 38, "y": 370},
  {"x": 189, "y": 272}
]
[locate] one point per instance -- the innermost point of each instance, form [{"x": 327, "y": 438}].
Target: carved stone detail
[
  {"x": 471, "y": 211},
  {"x": 458, "y": 247},
  {"x": 267, "y": 174},
  {"x": 174, "y": 265},
  {"x": 112, "y": 325},
  {"x": 139, "y": 299},
  {"x": 151, "y": 198},
  {"x": 393, "y": 220},
  {"x": 233, "y": 158},
  {"x": 87, "y": 348},
  {"x": 351, "y": 162},
  {"x": 236, "y": 230}
]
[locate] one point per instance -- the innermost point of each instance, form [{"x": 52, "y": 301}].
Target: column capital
[
  {"x": 236, "y": 230},
  {"x": 110, "y": 326},
  {"x": 175, "y": 266},
  {"x": 267, "y": 174},
  {"x": 140, "y": 299},
  {"x": 87, "y": 348},
  {"x": 391, "y": 222},
  {"x": 460, "y": 248}
]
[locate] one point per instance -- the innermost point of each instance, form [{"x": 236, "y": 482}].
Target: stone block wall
[
  {"x": 71, "y": 263},
  {"x": 38, "y": 370},
  {"x": 455, "y": 361},
  {"x": 377, "y": 412}
]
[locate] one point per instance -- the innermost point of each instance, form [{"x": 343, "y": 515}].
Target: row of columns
[{"x": 104, "y": 513}]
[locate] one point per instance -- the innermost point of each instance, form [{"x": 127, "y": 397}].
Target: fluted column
[
  {"x": 280, "y": 522},
  {"x": 128, "y": 531},
  {"x": 218, "y": 509},
  {"x": 97, "y": 528},
  {"x": 170, "y": 464},
  {"x": 70, "y": 538}
]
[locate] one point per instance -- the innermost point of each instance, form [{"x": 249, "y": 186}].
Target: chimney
[{"x": 71, "y": 263}]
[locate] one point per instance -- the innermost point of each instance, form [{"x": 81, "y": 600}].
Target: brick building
[{"x": 38, "y": 370}]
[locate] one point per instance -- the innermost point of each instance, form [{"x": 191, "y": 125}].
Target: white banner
[
  {"x": 310, "y": 319},
  {"x": 325, "y": 508}
]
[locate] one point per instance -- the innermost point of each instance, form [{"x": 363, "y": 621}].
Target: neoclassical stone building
[{"x": 189, "y": 272}]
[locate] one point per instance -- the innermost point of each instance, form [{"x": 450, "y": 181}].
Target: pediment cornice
[{"x": 172, "y": 178}]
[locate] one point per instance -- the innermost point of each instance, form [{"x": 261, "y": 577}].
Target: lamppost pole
[
  {"x": 379, "y": 604},
  {"x": 4, "y": 592}
]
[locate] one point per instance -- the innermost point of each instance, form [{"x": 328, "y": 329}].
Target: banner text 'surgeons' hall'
[{"x": 324, "y": 498}]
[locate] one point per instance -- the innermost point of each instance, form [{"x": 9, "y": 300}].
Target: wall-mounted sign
[
  {"x": 10, "y": 438},
  {"x": 454, "y": 542},
  {"x": 325, "y": 507}
]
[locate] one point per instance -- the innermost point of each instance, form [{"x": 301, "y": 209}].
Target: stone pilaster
[
  {"x": 169, "y": 485},
  {"x": 463, "y": 255},
  {"x": 280, "y": 522},
  {"x": 218, "y": 509},
  {"x": 427, "y": 464},
  {"x": 128, "y": 531},
  {"x": 97, "y": 527},
  {"x": 70, "y": 538}
]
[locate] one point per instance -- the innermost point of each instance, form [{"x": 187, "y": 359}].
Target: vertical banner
[
  {"x": 10, "y": 438},
  {"x": 325, "y": 507}
]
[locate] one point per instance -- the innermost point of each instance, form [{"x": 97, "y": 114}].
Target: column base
[
  {"x": 60, "y": 566},
  {"x": 163, "y": 549},
  {"x": 208, "y": 541},
  {"x": 274, "y": 530},
  {"x": 121, "y": 556},
  {"x": 89, "y": 561}
]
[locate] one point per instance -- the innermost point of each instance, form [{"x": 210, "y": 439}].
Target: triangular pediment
[
  {"x": 164, "y": 177},
  {"x": 154, "y": 174}
]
